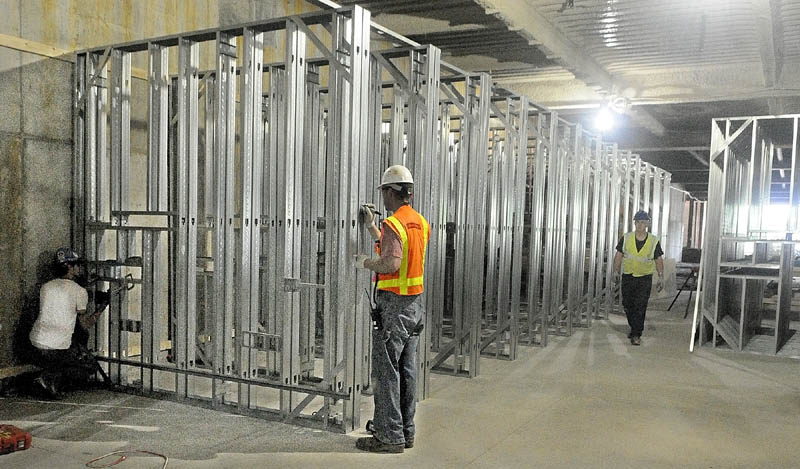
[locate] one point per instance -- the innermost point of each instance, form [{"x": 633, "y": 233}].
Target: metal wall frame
[
  {"x": 235, "y": 243},
  {"x": 457, "y": 338},
  {"x": 753, "y": 165},
  {"x": 405, "y": 95},
  {"x": 506, "y": 196},
  {"x": 260, "y": 211}
]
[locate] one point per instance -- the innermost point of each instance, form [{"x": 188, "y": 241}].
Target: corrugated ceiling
[
  {"x": 701, "y": 58},
  {"x": 633, "y": 35}
]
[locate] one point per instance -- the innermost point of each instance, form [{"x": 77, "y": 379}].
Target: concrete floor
[{"x": 589, "y": 400}]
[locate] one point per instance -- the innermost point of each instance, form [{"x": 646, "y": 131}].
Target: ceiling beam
[
  {"x": 673, "y": 140},
  {"x": 782, "y": 105},
  {"x": 767, "y": 14},
  {"x": 698, "y": 157},
  {"x": 646, "y": 120},
  {"x": 520, "y": 15},
  {"x": 733, "y": 94},
  {"x": 668, "y": 148},
  {"x": 775, "y": 106}
]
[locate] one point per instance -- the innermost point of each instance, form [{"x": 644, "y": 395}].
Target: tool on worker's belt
[
  {"x": 374, "y": 311},
  {"x": 367, "y": 213},
  {"x": 13, "y": 439}
]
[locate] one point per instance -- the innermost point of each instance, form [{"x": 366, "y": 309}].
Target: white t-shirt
[{"x": 59, "y": 303}]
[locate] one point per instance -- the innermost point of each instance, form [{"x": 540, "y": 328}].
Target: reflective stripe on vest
[
  {"x": 400, "y": 282},
  {"x": 638, "y": 262}
]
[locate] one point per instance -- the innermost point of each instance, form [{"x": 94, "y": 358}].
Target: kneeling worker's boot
[{"x": 47, "y": 388}]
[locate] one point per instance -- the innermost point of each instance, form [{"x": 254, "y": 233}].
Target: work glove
[
  {"x": 367, "y": 214},
  {"x": 659, "y": 284},
  {"x": 359, "y": 260}
]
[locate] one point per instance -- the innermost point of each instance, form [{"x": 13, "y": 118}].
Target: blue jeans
[{"x": 394, "y": 366}]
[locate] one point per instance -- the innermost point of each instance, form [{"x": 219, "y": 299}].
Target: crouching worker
[
  {"x": 60, "y": 329},
  {"x": 403, "y": 240}
]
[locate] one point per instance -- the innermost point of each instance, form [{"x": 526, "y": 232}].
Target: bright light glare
[
  {"x": 604, "y": 120},
  {"x": 774, "y": 217}
]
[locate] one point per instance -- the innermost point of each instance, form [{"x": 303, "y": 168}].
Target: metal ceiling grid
[{"x": 629, "y": 35}]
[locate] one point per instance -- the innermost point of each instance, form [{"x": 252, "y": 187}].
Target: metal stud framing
[
  {"x": 746, "y": 244},
  {"x": 253, "y": 180}
]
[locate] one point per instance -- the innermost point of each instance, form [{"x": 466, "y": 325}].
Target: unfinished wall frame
[
  {"x": 749, "y": 244},
  {"x": 233, "y": 234},
  {"x": 254, "y": 278}
]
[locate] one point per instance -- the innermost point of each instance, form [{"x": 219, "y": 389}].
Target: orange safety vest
[{"x": 414, "y": 231}]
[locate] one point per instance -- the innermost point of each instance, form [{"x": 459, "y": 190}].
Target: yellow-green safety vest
[{"x": 638, "y": 262}]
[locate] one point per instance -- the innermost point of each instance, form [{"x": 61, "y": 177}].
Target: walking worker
[
  {"x": 62, "y": 304},
  {"x": 403, "y": 239},
  {"x": 639, "y": 254}
]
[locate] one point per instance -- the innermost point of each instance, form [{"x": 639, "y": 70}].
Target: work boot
[
  {"x": 48, "y": 389},
  {"x": 636, "y": 340},
  {"x": 374, "y": 445},
  {"x": 409, "y": 444}
]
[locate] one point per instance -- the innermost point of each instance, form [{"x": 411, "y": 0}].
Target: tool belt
[{"x": 375, "y": 311}]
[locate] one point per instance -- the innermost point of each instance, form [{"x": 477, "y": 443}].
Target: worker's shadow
[{"x": 30, "y": 306}]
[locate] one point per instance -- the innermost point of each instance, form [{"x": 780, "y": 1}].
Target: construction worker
[
  {"x": 62, "y": 312},
  {"x": 639, "y": 255},
  {"x": 400, "y": 312}
]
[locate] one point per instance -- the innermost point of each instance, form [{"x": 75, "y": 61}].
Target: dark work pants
[
  {"x": 394, "y": 367},
  {"x": 65, "y": 369},
  {"x": 635, "y": 295}
]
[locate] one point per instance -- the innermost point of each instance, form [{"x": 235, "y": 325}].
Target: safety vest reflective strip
[
  {"x": 402, "y": 282},
  {"x": 639, "y": 263}
]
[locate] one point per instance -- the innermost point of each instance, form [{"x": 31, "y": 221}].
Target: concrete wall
[{"x": 36, "y": 124}]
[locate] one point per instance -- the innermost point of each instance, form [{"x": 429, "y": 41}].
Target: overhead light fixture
[
  {"x": 604, "y": 120},
  {"x": 619, "y": 104},
  {"x": 607, "y": 114}
]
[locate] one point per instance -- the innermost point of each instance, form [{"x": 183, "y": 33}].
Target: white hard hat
[{"x": 396, "y": 175}]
